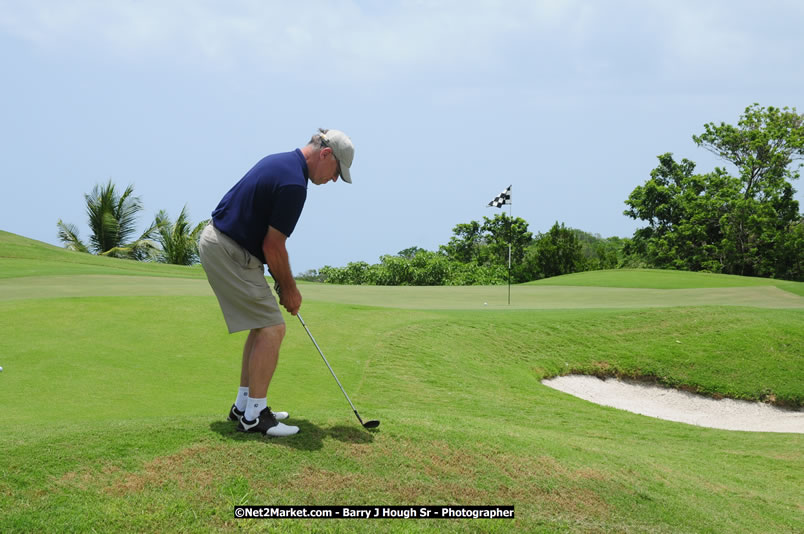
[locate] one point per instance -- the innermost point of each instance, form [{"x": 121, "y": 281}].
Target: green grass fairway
[
  {"x": 118, "y": 376},
  {"x": 658, "y": 279},
  {"x": 527, "y": 297}
]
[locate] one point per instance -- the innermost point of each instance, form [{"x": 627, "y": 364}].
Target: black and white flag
[{"x": 501, "y": 199}]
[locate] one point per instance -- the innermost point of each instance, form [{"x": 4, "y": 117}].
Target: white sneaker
[
  {"x": 237, "y": 415},
  {"x": 281, "y": 429},
  {"x": 266, "y": 424}
]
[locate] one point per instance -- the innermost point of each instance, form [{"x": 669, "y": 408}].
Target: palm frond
[
  {"x": 179, "y": 242},
  {"x": 126, "y": 210},
  {"x": 117, "y": 252},
  {"x": 140, "y": 250},
  {"x": 196, "y": 234},
  {"x": 68, "y": 234},
  {"x": 144, "y": 250}
]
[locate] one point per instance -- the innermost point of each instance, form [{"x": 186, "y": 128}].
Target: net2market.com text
[{"x": 374, "y": 512}]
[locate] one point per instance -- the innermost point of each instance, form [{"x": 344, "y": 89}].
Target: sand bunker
[{"x": 680, "y": 406}]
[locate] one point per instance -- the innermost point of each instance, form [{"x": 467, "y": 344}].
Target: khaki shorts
[{"x": 238, "y": 279}]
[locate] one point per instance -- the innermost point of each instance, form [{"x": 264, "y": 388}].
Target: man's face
[{"x": 328, "y": 169}]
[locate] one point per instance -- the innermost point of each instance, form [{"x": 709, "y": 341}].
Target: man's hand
[{"x": 291, "y": 300}]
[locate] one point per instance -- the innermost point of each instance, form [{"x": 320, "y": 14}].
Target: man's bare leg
[
  {"x": 263, "y": 356},
  {"x": 262, "y": 346},
  {"x": 269, "y": 335},
  {"x": 246, "y": 355}
]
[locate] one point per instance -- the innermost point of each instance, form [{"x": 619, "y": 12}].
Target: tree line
[
  {"x": 747, "y": 224},
  {"x": 477, "y": 254}
]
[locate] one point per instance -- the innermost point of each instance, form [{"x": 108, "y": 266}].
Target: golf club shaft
[{"x": 330, "y": 368}]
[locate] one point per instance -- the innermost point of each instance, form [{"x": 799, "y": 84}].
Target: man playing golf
[{"x": 249, "y": 229}]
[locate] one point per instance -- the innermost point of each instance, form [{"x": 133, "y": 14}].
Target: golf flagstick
[
  {"x": 367, "y": 424},
  {"x": 498, "y": 202}
]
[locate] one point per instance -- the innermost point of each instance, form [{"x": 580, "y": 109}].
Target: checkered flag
[{"x": 501, "y": 199}]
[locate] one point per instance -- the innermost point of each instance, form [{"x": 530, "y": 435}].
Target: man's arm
[{"x": 276, "y": 256}]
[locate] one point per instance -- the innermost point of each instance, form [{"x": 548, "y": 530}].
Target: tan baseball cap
[{"x": 343, "y": 149}]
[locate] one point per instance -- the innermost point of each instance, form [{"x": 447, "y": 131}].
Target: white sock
[
  {"x": 254, "y": 407},
  {"x": 242, "y": 397}
]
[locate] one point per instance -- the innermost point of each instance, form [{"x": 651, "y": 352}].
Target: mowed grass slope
[
  {"x": 22, "y": 257},
  {"x": 662, "y": 279},
  {"x": 113, "y": 412}
]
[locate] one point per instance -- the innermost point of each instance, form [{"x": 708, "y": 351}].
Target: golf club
[{"x": 368, "y": 424}]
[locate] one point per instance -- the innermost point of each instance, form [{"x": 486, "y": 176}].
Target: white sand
[{"x": 680, "y": 406}]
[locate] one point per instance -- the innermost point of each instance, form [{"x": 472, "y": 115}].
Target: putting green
[{"x": 433, "y": 298}]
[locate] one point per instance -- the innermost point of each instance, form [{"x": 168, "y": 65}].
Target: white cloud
[
  {"x": 618, "y": 42},
  {"x": 354, "y": 36}
]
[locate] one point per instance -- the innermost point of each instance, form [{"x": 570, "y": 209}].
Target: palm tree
[
  {"x": 111, "y": 217},
  {"x": 112, "y": 221},
  {"x": 179, "y": 240}
]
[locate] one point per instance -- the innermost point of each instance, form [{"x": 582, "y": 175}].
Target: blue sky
[{"x": 447, "y": 102}]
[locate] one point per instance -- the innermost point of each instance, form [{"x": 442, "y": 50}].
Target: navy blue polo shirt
[{"x": 272, "y": 193}]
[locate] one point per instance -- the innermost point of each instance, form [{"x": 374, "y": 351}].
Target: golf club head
[{"x": 371, "y": 424}]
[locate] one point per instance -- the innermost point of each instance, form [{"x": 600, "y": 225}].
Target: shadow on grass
[{"x": 310, "y": 437}]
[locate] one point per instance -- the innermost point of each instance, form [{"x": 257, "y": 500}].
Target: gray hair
[{"x": 315, "y": 141}]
